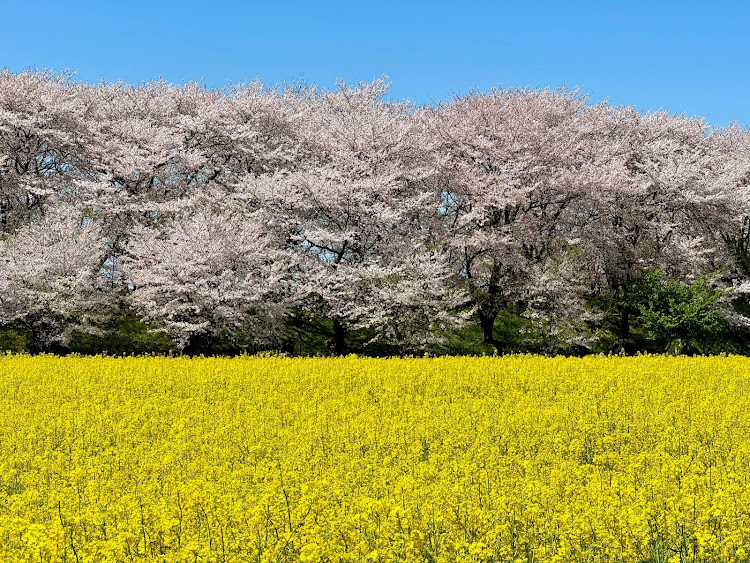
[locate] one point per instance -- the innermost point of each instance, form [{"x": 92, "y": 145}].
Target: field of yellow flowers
[{"x": 332, "y": 460}]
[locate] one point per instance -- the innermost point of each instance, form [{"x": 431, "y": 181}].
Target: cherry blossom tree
[
  {"x": 647, "y": 215},
  {"x": 357, "y": 214},
  {"x": 726, "y": 217},
  {"x": 40, "y": 148},
  {"x": 51, "y": 281},
  {"x": 140, "y": 160},
  {"x": 207, "y": 272},
  {"x": 509, "y": 165},
  {"x": 213, "y": 211}
]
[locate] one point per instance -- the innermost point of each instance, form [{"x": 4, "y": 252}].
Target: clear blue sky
[{"x": 691, "y": 57}]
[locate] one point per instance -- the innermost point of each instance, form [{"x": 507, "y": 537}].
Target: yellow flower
[{"x": 355, "y": 459}]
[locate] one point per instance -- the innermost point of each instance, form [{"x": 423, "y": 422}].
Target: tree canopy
[{"x": 312, "y": 220}]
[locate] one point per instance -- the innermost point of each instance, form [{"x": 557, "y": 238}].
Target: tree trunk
[
  {"x": 489, "y": 304},
  {"x": 196, "y": 344},
  {"x": 487, "y": 324},
  {"x": 625, "y": 323},
  {"x": 35, "y": 346},
  {"x": 337, "y": 343}
]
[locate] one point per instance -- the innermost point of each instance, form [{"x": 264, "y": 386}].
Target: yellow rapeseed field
[{"x": 332, "y": 460}]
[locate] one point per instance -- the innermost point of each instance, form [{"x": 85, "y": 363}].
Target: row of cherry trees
[{"x": 210, "y": 212}]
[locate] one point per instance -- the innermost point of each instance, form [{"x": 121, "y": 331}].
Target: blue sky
[{"x": 684, "y": 57}]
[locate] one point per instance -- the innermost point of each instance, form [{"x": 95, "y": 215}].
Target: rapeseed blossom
[{"x": 256, "y": 459}]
